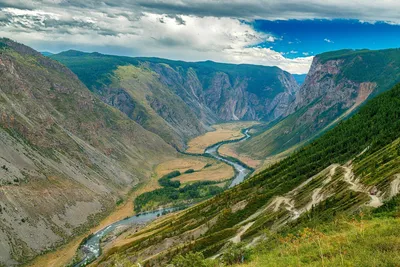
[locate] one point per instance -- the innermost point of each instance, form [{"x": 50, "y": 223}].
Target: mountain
[
  {"x": 66, "y": 157},
  {"x": 337, "y": 84},
  {"x": 180, "y": 100},
  {"x": 334, "y": 184}
]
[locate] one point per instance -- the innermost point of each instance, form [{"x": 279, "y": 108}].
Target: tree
[
  {"x": 235, "y": 254},
  {"x": 189, "y": 260}
]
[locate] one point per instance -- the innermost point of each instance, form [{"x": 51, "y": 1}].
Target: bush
[
  {"x": 165, "y": 181},
  {"x": 236, "y": 254},
  {"x": 189, "y": 260}
]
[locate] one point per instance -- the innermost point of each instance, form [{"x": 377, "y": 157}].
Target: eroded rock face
[
  {"x": 326, "y": 95},
  {"x": 225, "y": 97}
]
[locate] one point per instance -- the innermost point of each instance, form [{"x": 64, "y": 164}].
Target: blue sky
[
  {"x": 283, "y": 33},
  {"x": 295, "y": 38}
]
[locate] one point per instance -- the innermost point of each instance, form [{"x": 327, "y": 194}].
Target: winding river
[
  {"x": 241, "y": 171},
  {"x": 90, "y": 249}
]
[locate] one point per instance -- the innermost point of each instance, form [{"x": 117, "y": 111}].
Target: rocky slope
[
  {"x": 65, "y": 156},
  {"x": 347, "y": 172},
  {"x": 179, "y": 100},
  {"x": 336, "y": 85}
]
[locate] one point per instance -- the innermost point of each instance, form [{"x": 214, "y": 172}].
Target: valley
[
  {"x": 205, "y": 169},
  {"x": 348, "y": 174}
]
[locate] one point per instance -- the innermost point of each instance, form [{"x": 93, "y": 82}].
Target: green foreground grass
[{"x": 373, "y": 242}]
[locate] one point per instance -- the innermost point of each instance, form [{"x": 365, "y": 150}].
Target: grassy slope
[
  {"x": 374, "y": 242},
  {"x": 375, "y": 126},
  {"x": 157, "y": 108}
]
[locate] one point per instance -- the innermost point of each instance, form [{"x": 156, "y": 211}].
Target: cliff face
[
  {"x": 321, "y": 84},
  {"x": 337, "y": 84},
  {"x": 65, "y": 156},
  {"x": 224, "y": 94},
  {"x": 179, "y": 100},
  {"x": 327, "y": 97}
]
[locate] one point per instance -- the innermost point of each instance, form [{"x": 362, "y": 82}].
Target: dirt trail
[
  {"x": 315, "y": 199},
  {"x": 356, "y": 186},
  {"x": 395, "y": 186},
  {"x": 237, "y": 238}
]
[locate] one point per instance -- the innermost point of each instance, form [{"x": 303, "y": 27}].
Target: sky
[{"x": 283, "y": 33}]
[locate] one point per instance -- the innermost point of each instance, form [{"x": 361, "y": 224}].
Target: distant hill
[{"x": 47, "y": 54}]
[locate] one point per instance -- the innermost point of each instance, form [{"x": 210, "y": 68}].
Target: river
[
  {"x": 91, "y": 247},
  {"x": 241, "y": 171}
]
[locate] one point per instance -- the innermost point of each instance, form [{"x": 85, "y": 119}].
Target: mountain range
[
  {"x": 180, "y": 100},
  {"x": 80, "y": 130}
]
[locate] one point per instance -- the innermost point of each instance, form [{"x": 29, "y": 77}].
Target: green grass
[{"x": 373, "y": 242}]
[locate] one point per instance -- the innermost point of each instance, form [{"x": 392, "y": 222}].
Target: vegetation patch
[{"x": 172, "y": 195}]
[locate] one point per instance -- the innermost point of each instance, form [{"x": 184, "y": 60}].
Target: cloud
[
  {"x": 187, "y": 30},
  {"x": 328, "y": 41},
  {"x": 368, "y": 10},
  {"x": 269, "y": 57}
]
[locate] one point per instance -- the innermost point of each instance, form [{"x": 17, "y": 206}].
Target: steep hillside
[
  {"x": 65, "y": 156},
  {"x": 337, "y": 84},
  {"x": 179, "y": 100},
  {"x": 351, "y": 168}
]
